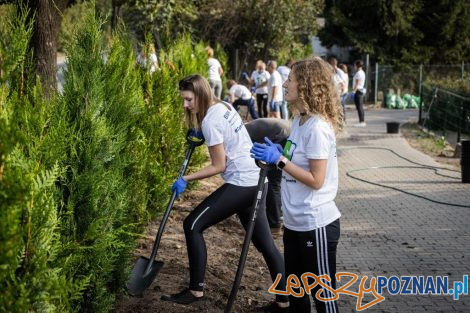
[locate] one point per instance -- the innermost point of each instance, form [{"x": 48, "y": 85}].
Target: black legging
[
  {"x": 273, "y": 198},
  {"x": 359, "y": 102},
  {"x": 262, "y": 102},
  {"x": 221, "y": 204},
  {"x": 312, "y": 252}
]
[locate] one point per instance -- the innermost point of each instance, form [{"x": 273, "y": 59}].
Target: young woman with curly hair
[{"x": 309, "y": 180}]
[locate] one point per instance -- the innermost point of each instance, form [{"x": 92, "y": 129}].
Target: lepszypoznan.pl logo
[{"x": 403, "y": 285}]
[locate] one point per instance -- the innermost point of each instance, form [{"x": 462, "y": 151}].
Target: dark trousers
[
  {"x": 359, "y": 102},
  {"x": 262, "y": 102},
  {"x": 221, "y": 204},
  {"x": 250, "y": 103},
  {"x": 312, "y": 252},
  {"x": 273, "y": 198}
]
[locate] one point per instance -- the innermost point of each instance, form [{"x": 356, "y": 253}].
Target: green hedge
[
  {"x": 81, "y": 173},
  {"x": 459, "y": 86}
]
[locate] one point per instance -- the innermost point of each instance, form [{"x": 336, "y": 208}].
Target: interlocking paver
[{"x": 387, "y": 232}]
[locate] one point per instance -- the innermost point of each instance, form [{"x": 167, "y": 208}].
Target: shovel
[
  {"x": 260, "y": 193},
  {"x": 146, "y": 269}
]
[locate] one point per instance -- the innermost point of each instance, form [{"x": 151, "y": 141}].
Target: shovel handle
[
  {"x": 158, "y": 237},
  {"x": 260, "y": 193}
]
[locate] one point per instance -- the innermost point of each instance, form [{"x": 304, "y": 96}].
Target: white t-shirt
[
  {"x": 360, "y": 77},
  {"x": 153, "y": 62},
  {"x": 304, "y": 208},
  {"x": 284, "y": 71},
  {"x": 260, "y": 78},
  {"x": 222, "y": 125},
  {"x": 341, "y": 81},
  {"x": 346, "y": 81},
  {"x": 240, "y": 91},
  {"x": 214, "y": 66},
  {"x": 275, "y": 81}
]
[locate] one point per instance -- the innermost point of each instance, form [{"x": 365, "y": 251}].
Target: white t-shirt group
[
  {"x": 305, "y": 208},
  {"x": 223, "y": 124},
  {"x": 214, "y": 66},
  {"x": 259, "y": 78}
]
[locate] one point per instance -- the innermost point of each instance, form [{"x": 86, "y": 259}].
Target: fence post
[
  {"x": 420, "y": 79},
  {"x": 376, "y": 81},
  {"x": 420, "y": 93},
  {"x": 461, "y": 117},
  {"x": 463, "y": 69},
  {"x": 367, "y": 82}
]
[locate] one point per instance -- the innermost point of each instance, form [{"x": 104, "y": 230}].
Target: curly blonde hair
[{"x": 317, "y": 92}]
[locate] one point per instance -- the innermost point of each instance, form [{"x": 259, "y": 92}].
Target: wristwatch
[{"x": 282, "y": 162}]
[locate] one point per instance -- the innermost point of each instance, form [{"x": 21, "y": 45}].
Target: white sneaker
[{"x": 362, "y": 124}]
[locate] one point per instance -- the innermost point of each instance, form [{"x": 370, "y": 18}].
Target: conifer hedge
[{"x": 81, "y": 173}]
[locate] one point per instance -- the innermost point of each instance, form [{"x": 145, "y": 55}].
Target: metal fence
[
  {"x": 445, "y": 112},
  {"x": 386, "y": 79}
]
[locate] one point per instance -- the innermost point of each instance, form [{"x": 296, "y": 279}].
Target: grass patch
[{"x": 429, "y": 144}]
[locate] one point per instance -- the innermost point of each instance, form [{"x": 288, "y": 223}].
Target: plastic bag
[{"x": 390, "y": 99}]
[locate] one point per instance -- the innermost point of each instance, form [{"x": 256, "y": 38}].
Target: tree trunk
[
  {"x": 114, "y": 14},
  {"x": 47, "y": 16}
]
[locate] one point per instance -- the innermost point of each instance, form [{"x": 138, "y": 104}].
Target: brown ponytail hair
[{"x": 203, "y": 98}]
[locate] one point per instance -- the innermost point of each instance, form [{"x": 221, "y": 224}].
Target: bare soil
[
  {"x": 429, "y": 144},
  {"x": 223, "y": 241}
]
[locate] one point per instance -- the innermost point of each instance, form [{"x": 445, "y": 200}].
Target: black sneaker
[
  {"x": 273, "y": 308},
  {"x": 184, "y": 297}
]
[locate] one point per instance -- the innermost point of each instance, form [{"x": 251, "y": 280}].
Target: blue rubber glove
[
  {"x": 196, "y": 133},
  {"x": 245, "y": 75},
  {"x": 269, "y": 152},
  {"x": 179, "y": 185},
  {"x": 253, "y": 89},
  {"x": 271, "y": 105}
]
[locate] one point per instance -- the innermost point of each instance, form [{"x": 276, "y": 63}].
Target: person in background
[
  {"x": 274, "y": 90},
  {"x": 344, "y": 96},
  {"x": 229, "y": 150},
  {"x": 259, "y": 78},
  {"x": 338, "y": 76},
  {"x": 359, "y": 80},
  {"x": 309, "y": 179},
  {"x": 277, "y": 130},
  {"x": 215, "y": 73},
  {"x": 284, "y": 70},
  {"x": 240, "y": 95},
  {"x": 148, "y": 54}
]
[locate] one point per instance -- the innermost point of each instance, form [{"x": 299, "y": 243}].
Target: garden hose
[{"x": 420, "y": 166}]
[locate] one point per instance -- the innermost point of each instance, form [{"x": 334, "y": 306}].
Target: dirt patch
[
  {"x": 433, "y": 146},
  {"x": 224, "y": 242}
]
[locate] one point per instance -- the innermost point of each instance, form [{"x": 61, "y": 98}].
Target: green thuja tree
[
  {"x": 164, "y": 125},
  {"x": 32, "y": 142},
  {"x": 105, "y": 186}
]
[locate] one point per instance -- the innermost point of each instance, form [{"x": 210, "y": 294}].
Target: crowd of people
[
  {"x": 296, "y": 111},
  {"x": 262, "y": 92}
]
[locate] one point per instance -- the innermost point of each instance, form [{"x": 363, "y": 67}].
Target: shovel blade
[{"x": 139, "y": 279}]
